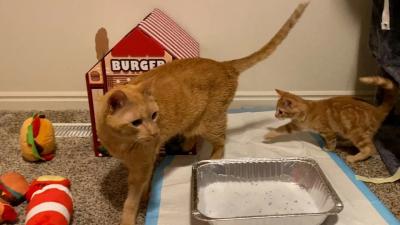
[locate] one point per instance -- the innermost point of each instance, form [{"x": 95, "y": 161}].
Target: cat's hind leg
[
  {"x": 214, "y": 132},
  {"x": 330, "y": 140},
  {"x": 218, "y": 143},
  {"x": 366, "y": 148}
]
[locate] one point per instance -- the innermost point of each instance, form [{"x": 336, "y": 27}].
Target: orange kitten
[
  {"x": 188, "y": 97},
  {"x": 346, "y": 116}
]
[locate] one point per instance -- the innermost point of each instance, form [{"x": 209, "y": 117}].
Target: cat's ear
[
  {"x": 280, "y": 92},
  {"x": 117, "y": 100}
]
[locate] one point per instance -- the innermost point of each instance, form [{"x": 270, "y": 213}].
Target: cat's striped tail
[
  {"x": 390, "y": 91},
  {"x": 244, "y": 63}
]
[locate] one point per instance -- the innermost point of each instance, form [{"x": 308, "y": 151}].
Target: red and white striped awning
[{"x": 170, "y": 35}]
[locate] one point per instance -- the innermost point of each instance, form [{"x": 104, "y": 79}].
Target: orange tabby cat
[
  {"x": 347, "y": 116},
  {"x": 189, "y": 97}
]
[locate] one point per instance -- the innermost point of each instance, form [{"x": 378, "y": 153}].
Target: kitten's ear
[
  {"x": 117, "y": 100},
  {"x": 280, "y": 92}
]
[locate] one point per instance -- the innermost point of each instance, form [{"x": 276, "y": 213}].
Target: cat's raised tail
[
  {"x": 248, "y": 61},
  {"x": 390, "y": 91}
]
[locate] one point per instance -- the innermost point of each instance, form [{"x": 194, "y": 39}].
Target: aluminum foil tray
[{"x": 262, "y": 192}]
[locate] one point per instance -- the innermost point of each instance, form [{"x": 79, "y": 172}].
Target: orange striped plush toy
[{"x": 50, "y": 201}]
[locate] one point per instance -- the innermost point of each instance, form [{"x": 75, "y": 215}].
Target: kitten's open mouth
[{"x": 278, "y": 114}]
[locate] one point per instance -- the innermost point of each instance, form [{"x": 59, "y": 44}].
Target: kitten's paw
[
  {"x": 271, "y": 135},
  {"x": 351, "y": 159},
  {"x": 330, "y": 148},
  {"x": 123, "y": 223}
]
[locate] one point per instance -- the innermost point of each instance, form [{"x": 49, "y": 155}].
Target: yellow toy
[{"x": 37, "y": 139}]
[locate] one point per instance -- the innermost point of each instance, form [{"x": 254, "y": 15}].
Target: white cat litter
[{"x": 254, "y": 199}]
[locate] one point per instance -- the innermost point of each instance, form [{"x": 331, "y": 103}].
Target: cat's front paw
[{"x": 128, "y": 219}]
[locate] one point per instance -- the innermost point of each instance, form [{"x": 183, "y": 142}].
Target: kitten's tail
[
  {"x": 244, "y": 63},
  {"x": 390, "y": 91}
]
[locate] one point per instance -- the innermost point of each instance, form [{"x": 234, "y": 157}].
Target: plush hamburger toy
[
  {"x": 37, "y": 139},
  {"x": 13, "y": 187},
  {"x": 50, "y": 201}
]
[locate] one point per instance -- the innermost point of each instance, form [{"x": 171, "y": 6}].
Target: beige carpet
[{"x": 98, "y": 184}]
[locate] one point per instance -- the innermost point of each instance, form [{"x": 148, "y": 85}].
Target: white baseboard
[
  {"x": 49, "y": 100},
  {"x": 268, "y": 99},
  {"x": 55, "y": 100}
]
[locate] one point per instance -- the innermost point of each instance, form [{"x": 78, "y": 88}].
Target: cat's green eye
[
  {"x": 154, "y": 115},
  {"x": 137, "y": 122}
]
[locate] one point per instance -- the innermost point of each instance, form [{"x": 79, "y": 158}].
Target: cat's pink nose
[{"x": 152, "y": 130}]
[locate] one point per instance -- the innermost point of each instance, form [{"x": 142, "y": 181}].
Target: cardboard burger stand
[{"x": 156, "y": 41}]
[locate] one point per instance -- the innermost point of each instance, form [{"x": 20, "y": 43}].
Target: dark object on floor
[
  {"x": 385, "y": 47},
  {"x": 387, "y": 142}
]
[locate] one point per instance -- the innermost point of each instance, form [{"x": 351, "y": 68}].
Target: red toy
[
  {"x": 8, "y": 214},
  {"x": 50, "y": 201}
]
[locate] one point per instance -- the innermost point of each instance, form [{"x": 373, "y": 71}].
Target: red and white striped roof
[{"x": 170, "y": 35}]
